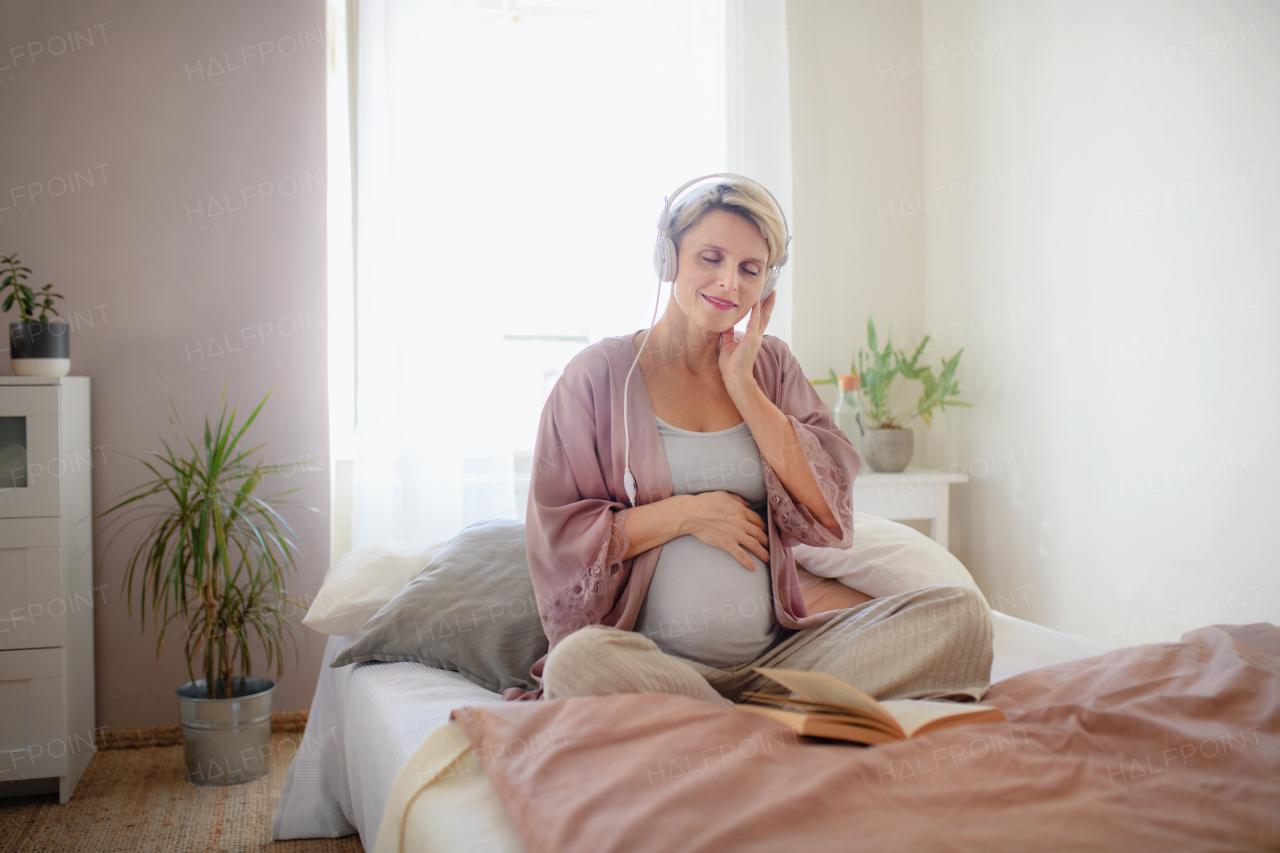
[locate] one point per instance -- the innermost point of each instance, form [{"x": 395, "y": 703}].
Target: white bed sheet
[
  {"x": 367, "y": 720},
  {"x": 1022, "y": 646}
]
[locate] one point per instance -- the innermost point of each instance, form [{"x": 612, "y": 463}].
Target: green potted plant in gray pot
[
  {"x": 889, "y": 442},
  {"x": 38, "y": 346},
  {"x": 212, "y": 563}
]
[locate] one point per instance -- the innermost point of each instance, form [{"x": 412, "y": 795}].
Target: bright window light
[{"x": 512, "y": 163}]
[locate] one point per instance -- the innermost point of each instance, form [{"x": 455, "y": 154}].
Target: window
[{"x": 511, "y": 163}]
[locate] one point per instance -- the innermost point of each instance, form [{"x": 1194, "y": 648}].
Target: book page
[
  {"x": 821, "y": 711},
  {"x": 828, "y": 690},
  {"x": 916, "y": 714},
  {"x": 808, "y": 725},
  {"x": 825, "y": 693}
]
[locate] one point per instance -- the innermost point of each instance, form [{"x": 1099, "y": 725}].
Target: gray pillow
[{"x": 472, "y": 610}]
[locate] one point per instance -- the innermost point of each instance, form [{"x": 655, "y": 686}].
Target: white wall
[
  {"x": 1109, "y": 261},
  {"x": 856, "y": 146},
  {"x": 758, "y": 145},
  {"x": 1080, "y": 195}
]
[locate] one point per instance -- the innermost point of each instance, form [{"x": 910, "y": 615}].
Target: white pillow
[
  {"x": 362, "y": 581},
  {"x": 886, "y": 558}
]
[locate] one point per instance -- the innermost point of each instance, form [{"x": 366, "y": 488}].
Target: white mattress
[{"x": 367, "y": 720}]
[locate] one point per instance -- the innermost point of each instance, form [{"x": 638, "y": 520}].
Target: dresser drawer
[
  {"x": 34, "y": 743},
  {"x": 29, "y": 533},
  {"x": 30, "y": 400},
  {"x": 27, "y": 664},
  {"x": 33, "y": 604}
]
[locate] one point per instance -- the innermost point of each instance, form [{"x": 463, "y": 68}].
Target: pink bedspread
[{"x": 1163, "y": 747}]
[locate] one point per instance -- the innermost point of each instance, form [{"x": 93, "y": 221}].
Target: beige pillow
[
  {"x": 887, "y": 558},
  {"x": 363, "y": 581}
]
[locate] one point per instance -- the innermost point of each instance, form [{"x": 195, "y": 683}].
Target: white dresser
[{"x": 47, "y": 597}]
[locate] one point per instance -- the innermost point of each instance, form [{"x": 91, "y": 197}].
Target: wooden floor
[{"x": 139, "y": 800}]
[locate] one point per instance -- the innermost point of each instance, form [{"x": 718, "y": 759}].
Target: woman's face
[{"x": 721, "y": 271}]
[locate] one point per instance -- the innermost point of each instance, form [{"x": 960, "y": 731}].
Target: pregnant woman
[{"x": 663, "y": 506}]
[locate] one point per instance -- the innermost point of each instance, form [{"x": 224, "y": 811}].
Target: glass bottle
[{"x": 848, "y": 410}]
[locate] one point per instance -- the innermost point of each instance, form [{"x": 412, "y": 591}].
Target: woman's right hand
[{"x": 725, "y": 521}]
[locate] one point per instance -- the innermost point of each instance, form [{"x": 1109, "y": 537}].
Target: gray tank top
[{"x": 702, "y": 604}]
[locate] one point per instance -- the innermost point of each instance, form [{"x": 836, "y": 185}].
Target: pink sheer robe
[{"x": 575, "y": 526}]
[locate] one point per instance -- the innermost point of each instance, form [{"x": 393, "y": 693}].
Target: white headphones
[
  {"x": 664, "y": 250},
  {"x": 665, "y": 266}
]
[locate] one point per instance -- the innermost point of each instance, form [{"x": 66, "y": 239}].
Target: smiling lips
[{"x": 722, "y": 304}]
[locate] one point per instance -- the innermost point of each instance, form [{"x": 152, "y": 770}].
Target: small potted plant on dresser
[
  {"x": 38, "y": 346},
  {"x": 213, "y": 562},
  {"x": 889, "y": 442}
]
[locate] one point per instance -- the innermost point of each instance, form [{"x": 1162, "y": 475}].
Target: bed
[{"x": 370, "y": 722}]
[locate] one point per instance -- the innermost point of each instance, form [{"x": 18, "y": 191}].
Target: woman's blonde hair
[{"x": 744, "y": 198}]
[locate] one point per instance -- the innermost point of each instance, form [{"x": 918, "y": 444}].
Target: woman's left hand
[{"x": 738, "y": 357}]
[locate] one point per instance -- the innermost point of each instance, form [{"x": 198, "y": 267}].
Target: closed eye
[{"x": 714, "y": 260}]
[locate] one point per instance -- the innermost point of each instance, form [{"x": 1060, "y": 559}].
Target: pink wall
[{"x": 155, "y": 278}]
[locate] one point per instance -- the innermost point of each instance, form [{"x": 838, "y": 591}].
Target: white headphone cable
[
  {"x": 628, "y": 481},
  {"x": 664, "y": 222}
]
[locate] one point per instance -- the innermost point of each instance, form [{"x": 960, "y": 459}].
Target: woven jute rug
[
  {"x": 281, "y": 721},
  {"x": 135, "y": 797}
]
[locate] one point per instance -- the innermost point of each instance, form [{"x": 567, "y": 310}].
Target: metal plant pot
[
  {"x": 40, "y": 349},
  {"x": 889, "y": 450},
  {"x": 227, "y": 741}
]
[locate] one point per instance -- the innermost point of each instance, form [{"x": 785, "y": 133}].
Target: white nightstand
[
  {"x": 46, "y": 585},
  {"x": 916, "y": 493}
]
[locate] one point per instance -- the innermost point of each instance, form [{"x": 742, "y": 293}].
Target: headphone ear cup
[
  {"x": 664, "y": 258},
  {"x": 769, "y": 283},
  {"x": 786, "y": 253}
]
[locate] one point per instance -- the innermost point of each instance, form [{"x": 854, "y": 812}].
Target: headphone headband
[{"x": 675, "y": 196}]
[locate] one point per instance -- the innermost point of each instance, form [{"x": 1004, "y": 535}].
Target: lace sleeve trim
[
  {"x": 795, "y": 518},
  {"x": 592, "y": 597}
]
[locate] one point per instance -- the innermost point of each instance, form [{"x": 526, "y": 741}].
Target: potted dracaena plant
[
  {"x": 213, "y": 562},
  {"x": 889, "y": 442},
  {"x": 38, "y": 346}
]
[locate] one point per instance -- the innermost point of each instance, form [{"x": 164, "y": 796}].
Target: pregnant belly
[{"x": 704, "y": 605}]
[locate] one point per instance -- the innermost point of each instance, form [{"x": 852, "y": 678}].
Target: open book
[{"x": 825, "y": 706}]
